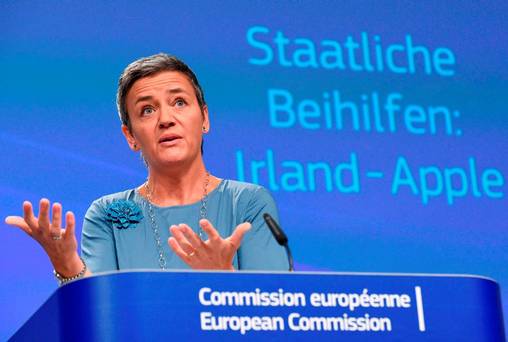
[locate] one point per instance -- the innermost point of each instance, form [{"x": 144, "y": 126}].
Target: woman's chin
[
  {"x": 173, "y": 161},
  {"x": 174, "y": 158}
]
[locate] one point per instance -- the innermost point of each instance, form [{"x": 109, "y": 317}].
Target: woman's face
[{"x": 167, "y": 122}]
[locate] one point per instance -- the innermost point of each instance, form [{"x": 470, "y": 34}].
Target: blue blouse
[{"x": 107, "y": 246}]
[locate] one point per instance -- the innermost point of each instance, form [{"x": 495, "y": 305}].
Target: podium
[{"x": 188, "y": 305}]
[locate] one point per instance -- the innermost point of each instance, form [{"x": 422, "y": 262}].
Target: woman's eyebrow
[
  {"x": 176, "y": 91},
  {"x": 143, "y": 98},
  {"x": 170, "y": 91}
]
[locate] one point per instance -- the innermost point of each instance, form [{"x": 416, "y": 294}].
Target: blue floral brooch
[{"x": 124, "y": 214}]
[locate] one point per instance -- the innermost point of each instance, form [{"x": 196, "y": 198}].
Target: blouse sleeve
[
  {"x": 97, "y": 240},
  {"x": 259, "y": 250}
]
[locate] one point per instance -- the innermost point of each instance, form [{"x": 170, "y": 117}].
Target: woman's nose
[{"x": 166, "y": 117}]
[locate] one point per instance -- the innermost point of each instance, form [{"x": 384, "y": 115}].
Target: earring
[
  {"x": 204, "y": 129},
  {"x": 135, "y": 146}
]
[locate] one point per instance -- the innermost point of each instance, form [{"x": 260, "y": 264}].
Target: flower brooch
[{"x": 124, "y": 214}]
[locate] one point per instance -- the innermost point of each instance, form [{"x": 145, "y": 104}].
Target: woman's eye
[
  {"x": 147, "y": 111},
  {"x": 179, "y": 103}
]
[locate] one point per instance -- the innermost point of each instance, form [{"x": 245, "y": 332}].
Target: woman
[{"x": 164, "y": 116}]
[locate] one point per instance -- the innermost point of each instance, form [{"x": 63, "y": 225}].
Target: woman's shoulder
[
  {"x": 234, "y": 186},
  {"x": 248, "y": 199},
  {"x": 106, "y": 200},
  {"x": 243, "y": 191}
]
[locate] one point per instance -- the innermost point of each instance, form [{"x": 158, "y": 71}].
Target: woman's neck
[{"x": 168, "y": 187}]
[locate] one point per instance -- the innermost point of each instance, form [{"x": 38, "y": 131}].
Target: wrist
[
  {"x": 65, "y": 279},
  {"x": 69, "y": 267}
]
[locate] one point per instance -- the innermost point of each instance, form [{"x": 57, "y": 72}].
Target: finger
[
  {"x": 56, "y": 221},
  {"x": 237, "y": 236},
  {"x": 28, "y": 215},
  {"x": 44, "y": 214},
  {"x": 182, "y": 240},
  {"x": 191, "y": 236},
  {"x": 209, "y": 230},
  {"x": 19, "y": 222},
  {"x": 175, "y": 246},
  {"x": 70, "y": 225}
]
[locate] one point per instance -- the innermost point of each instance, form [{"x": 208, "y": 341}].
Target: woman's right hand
[{"x": 59, "y": 243}]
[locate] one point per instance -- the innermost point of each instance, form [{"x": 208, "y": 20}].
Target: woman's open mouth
[{"x": 169, "y": 139}]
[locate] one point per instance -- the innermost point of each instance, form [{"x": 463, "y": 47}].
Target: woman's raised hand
[
  {"x": 215, "y": 253},
  {"x": 59, "y": 243}
]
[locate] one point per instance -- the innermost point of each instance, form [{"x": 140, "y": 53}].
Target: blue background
[{"x": 60, "y": 134}]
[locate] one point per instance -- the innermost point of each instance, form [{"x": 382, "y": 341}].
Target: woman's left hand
[{"x": 215, "y": 253}]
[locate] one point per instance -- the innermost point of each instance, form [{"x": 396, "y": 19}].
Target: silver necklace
[{"x": 153, "y": 222}]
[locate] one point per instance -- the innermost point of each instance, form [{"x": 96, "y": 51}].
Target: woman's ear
[
  {"x": 206, "y": 121},
  {"x": 130, "y": 138}
]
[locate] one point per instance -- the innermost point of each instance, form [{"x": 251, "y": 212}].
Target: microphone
[{"x": 279, "y": 236}]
